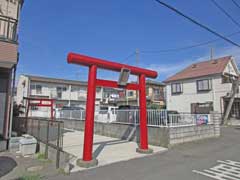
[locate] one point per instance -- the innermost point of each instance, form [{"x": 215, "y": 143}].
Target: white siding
[
  {"x": 49, "y": 90},
  {"x": 182, "y": 102},
  {"x": 22, "y": 88}
]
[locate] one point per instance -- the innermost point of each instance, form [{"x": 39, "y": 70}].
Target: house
[
  {"x": 65, "y": 92},
  {"x": 203, "y": 87},
  {"x": 111, "y": 95},
  {"x": 9, "y": 21},
  {"x": 154, "y": 92}
]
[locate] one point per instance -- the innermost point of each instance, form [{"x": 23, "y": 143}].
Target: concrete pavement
[
  {"x": 107, "y": 150},
  {"x": 176, "y": 164}
]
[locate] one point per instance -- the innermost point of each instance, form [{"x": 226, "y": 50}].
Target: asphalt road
[{"x": 176, "y": 164}]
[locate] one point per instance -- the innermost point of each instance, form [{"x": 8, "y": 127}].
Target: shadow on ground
[
  {"x": 7, "y": 164},
  {"x": 106, "y": 143}
]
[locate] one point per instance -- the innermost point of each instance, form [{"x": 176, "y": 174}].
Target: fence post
[
  {"x": 38, "y": 133},
  {"x": 32, "y": 127},
  {"x": 58, "y": 146},
  {"x": 170, "y": 120},
  {"x": 46, "y": 147},
  {"x": 166, "y": 119}
]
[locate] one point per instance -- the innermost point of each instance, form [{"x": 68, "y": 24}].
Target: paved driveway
[
  {"x": 106, "y": 149},
  {"x": 176, "y": 164}
]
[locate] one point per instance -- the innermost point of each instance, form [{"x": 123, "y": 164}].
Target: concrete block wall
[
  {"x": 216, "y": 117},
  {"x": 191, "y": 133},
  {"x": 158, "y": 136}
]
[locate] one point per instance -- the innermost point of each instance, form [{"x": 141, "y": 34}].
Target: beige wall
[
  {"x": 8, "y": 32},
  {"x": 8, "y": 54},
  {"x": 10, "y": 8},
  {"x": 149, "y": 93}
]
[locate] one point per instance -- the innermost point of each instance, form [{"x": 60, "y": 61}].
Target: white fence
[{"x": 156, "y": 118}]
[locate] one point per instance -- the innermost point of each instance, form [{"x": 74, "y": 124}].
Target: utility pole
[
  {"x": 211, "y": 54},
  {"x": 213, "y": 92}
]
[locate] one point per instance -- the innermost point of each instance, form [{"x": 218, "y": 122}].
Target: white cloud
[{"x": 166, "y": 70}]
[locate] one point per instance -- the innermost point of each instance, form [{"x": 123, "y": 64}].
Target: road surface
[{"x": 183, "y": 162}]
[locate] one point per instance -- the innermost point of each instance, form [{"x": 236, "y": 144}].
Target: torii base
[
  {"x": 144, "y": 151},
  {"x": 87, "y": 164}
]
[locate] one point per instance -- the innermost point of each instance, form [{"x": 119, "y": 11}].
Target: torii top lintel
[{"x": 83, "y": 60}]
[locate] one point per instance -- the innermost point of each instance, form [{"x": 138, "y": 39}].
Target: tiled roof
[{"x": 205, "y": 68}]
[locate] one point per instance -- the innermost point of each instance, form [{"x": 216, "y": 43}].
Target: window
[
  {"x": 98, "y": 89},
  {"x": 147, "y": 91},
  {"x": 176, "y": 88},
  {"x": 59, "y": 92},
  {"x": 34, "y": 108},
  {"x": 203, "y": 85},
  {"x": 156, "y": 91},
  {"x": 32, "y": 86},
  {"x": 38, "y": 89},
  {"x": 130, "y": 93},
  {"x": 82, "y": 89},
  {"x": 75, "y": 88},
  {"x": 226, "y": 79}
]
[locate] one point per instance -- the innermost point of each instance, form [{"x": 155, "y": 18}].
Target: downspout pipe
[{"x": 12, "y": 101}]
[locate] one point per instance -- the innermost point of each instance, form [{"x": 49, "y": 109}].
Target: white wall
[
  {"x": 182, "y": 102},
  {"x": 50, "y": 90},
  {"x": 22, "y": 88}
]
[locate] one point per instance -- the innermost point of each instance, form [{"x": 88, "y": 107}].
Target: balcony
[
  {"x": 158, "y": 97},
  {"x": 8, "y": 29}
]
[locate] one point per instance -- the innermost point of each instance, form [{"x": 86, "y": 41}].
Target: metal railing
[
  {"x": 70, "y": 114},
  {"x": 8, "y": 29},
  {"x": 48, "y": 132},
  {"x": 155, "y": 118}
]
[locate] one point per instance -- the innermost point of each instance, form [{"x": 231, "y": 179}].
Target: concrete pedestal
[
  {"x": 87, "y": 164},
  {"x": 144, "y": 151}
]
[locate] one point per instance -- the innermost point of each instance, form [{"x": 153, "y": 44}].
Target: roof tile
[{"x": 200, "y": 69}]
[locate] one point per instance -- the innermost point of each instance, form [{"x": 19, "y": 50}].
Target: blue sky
[{"x": 112, "y": 30}]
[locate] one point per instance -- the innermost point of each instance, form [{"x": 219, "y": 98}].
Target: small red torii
[
  {"x": 93, "y": 82},
  {"x": 39, "y": 102}
]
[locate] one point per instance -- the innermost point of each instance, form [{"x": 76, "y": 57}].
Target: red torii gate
[
  {"x": 39, "y": 102},
  {"x": 93, "y": 64}
]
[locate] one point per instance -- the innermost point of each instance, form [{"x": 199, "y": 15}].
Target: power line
[
  {"x": 187, "y": 47},
  {"x": 129, "y": 56},
  {"x": 180, "y": 48},
  {"x": 234, "y": 2},
  {"x": 197, "y": 23},
  {"x": 226, "y": 13}
]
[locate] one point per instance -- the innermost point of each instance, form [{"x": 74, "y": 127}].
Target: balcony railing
[{"x": 8, "y": 29}]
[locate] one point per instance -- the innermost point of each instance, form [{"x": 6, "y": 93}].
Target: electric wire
[
  {"x": 197, "y": 23},
  {"x": 226, "y": 13}
]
